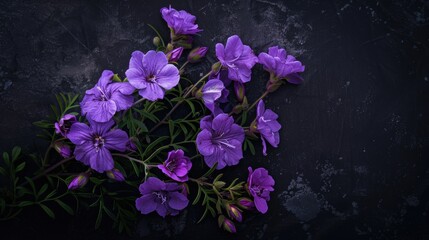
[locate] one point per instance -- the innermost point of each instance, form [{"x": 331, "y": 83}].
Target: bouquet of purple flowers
[{"x": 160, "y": 133}]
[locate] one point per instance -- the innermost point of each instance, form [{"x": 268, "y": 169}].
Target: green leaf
[
  {"x": 47, "y": 211},
  {"x": 99, "y": 216},
  {"x": 96, "y": 181},
  {"x": 66, "y": 207},
  {"x": 136, "y": 168},
  {"x": 51, "y": 194},
  {"x": 25, "y": 203},
  {"x": 204, "y": 214},
  {"x": 197, "y": 198},
  {"x": 6, "y": 158},
  {"x": 2, "y": 171},
  {"x": 251, "y": 147},
  {"x": 171, "y": 129},
  {"x": 154, "y": 143},
  {"x": 20, "y": 167},
  {"x": 30, "y": 181},
  {"x": 16, "y": 151},
  {"x": 109, "y": 213},
  {"x": 210, "y": 171},
  {"x": 141, "y": 125},
  {"x": 42, "y": 190},
  {"x": 191, "y": 105}
]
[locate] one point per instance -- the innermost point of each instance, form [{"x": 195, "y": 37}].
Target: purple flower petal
[
  {"x": 168, "y": 77},
  {"x": 154, "y": 61},
  {"x": 178, "y": 201},
  {"x": 152, "y": 92},
  {"x": 145, "y": 204},
  {"x": 102, "y": 160},
  {"x": 161, "y": 210},
  {"x": 136, "y": 60},
  {"x": 84, "y": 152},
  {"x": 116, "y": 140},
  {"x": 261, "y": 204},
  {"x": 79, "y": 133},
  {"x": 135, "y": 77},
  {"x": 204, "y": 142}
]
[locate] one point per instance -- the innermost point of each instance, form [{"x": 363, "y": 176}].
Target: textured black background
[{"x": 353, "y": 158}]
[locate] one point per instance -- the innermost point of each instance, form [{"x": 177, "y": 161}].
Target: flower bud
[
  {"x": 78, "y": 182},
  {"x": 169, "y": 47},
  {"x": 115, "y": 174},
  {"x": 240, "y": 91},
  {"x": 196, "y": 54},
  {"x": 156, "y": 41},
  {"x": 219, "y": 184},
  {"x": 174, "y": 55},
  {"x": 131, "y": 146},
  {"x": 229, "y": 226},
  {"x": 234, "y": 212},
  {"x": 253, "y": 127},
  {"x": 237, "y": 109},
  {"x": 63, "y": 149},
  {"x": 245, "y": 203},
  {"x": 198, "y": 93},
  {"x": 184, "y": 41},
  {"x": 216, "y": 67}
]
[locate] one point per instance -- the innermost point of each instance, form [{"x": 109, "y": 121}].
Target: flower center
[
  {"x": 103, "y": 96},
  {"x": 171, "y": 165},
  {"x": 221, "y": 142},
  {"x": 265, "y": 120},
  {"x": 98, "y": 143},
  {"x": 151, "y": 78},
  {"x": 257, "y": 190},
  {"x": 160, "y": 196}
]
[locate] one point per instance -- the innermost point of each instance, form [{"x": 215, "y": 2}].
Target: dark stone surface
[{"x": 353, "y": 159}]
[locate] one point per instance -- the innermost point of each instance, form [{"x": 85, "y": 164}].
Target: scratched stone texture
[{"x": 353, "y": 160}]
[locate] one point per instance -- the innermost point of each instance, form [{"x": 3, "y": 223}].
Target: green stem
[
  {"x": 45, "y": 158},
  {"x": 48, "y": 170},
  {"x": 200, "y": 182},
  {"x": 129, "y": 158},
  {"x": 183, "y": 66},
  {"x": 162, "y": 148},
  {"x": 257, "y": 100},
  {"x": 180, "y": 102},
  {"x": 138, "y": 101}
]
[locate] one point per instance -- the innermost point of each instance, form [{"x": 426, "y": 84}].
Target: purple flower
[
  {"x": 116, "y": 175},
  {"x": 63, "y": 149},
  {"x": 245, "y": 203},
  {"x": 181, "y": 22},
  {"x": 174, "y": 55},
  {"x": 164, "y": 198},
  {"x": 176, "y": 166},
  {"x": 260, "y": 184},
  {"x": 240, "y": 91},
  {"x": 79, "y": 181},
  {"x": 237, "y": 58},
  {"x": 277, "y": 62},
  {"x": 229, "y": 226},
  {"x": 267, "y": 126},
  {"x": 197, "y": 53},
  {"x": 212, "y": 94},
  {"x": 106, "y": 98},
  {"x": 234, "y": 212},
  {"x": 63, "y": 126},
  {"x": 94, "y": 142},
  {"x": 151, "y": 74},
  {"x": 220, "y": 141}
]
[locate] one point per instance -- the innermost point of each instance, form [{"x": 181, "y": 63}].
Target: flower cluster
[{"x": 119, "y": 112}]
